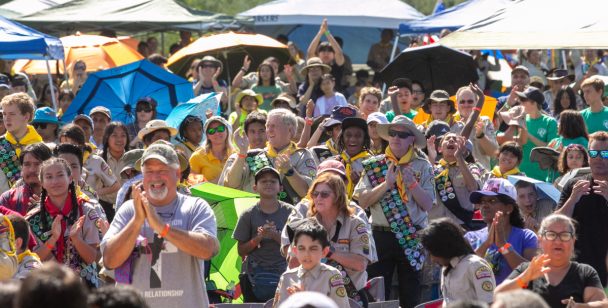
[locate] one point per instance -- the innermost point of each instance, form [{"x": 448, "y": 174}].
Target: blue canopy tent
[
  {"x": 21, "y": 42},
  {"x": 357, "y": 22}
]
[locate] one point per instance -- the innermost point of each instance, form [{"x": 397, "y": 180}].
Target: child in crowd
[
  {"x": 573, "y": 157},
  {"x": 330, "y": 99},
  {"x": 509, "y": 157},
  {"x": 310, "y": 245},
  {"x": 28, "y": 261}
]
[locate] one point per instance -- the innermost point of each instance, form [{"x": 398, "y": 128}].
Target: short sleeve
[
  {"x": 202, "y": 219},
  {"x": 518, "y": 270},
  {"x": 196, "y": 162},
  {"x": 123, "y": 216},
  {"x": 242, "y": 231},
  {"x": 484, "y": 282},
  {"x": 530, "y": 240},
  {"x": 551, "y": 129},
  {"x": 306, "y": 165},
  {"x": 359, "y": 238},
  {"x": 106, "y": 175},
  {"x": 89, "y": 228},
  {"x": 427, "y": 182},
  {"x": 337, "y": 291},
  {"x": 566, "y": 192},
  {"x": 363, "y": 185},
  {"x": 590, "y": 276}
]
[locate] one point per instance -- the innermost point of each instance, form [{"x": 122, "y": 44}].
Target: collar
[
  {"x": 315, "y": 272},
  {"x": 25, "y": 254},
  {"x": 455, "y": 260},
  {"x": 30, "y": 137}
]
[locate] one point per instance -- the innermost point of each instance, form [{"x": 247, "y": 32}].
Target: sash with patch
[
  {"x": 322, "y": 153},
  {"x": 259, "y": 160},
  {"x": 9, "y": 162},
  {"x": 351, "y": 290},
  {"x": 396, "y": 212},
  {"x": 87, "y": 272},
  {"x": 445, "y": 189}
]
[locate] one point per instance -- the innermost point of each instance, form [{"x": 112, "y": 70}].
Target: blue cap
[{"x": 45, "y": 115}]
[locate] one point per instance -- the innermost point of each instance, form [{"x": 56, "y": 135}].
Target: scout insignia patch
[
  {"x": 341, "y": 292},
  {"x": 361, "y": 229},
  {"x": 483, "y": 272},
  {"x": 336, "y": 280},
  {"x": 487, "y": 286}
]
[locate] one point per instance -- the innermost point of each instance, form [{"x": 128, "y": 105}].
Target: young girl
[
  {"x": 247, "y": 101},
  {"x": 573, "y": 157},
  {"x": 266, "y": 85},
  {"x": 64, "y": 224},
  {"x": 330, "y": 99},
  {"x": 190, "y": 135}
]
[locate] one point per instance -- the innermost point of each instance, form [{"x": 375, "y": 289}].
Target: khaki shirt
[
  {"x": 439, "y": 210},
  {"x": 301, "y": 160},
  {"x": 98, "y": 174},
  {"x": 423, "y": 171},
  {"x": 322, "y": 278},
  {"x": 28, "y": 262},
  {"x": 470, "y": 278},
  {"x": 480, "y": 156}
]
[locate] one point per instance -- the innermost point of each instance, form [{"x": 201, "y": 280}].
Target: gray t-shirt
[
  {"x": 166, "y": 276},
  {"x": 268, "y": 254}
]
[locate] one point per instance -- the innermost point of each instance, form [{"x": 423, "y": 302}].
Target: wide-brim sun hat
[
  {"x": 284, "y": 97},
  {"x": 402, "y": 121},
  {"x": 438, "y": 96},
  {"x": 315, "y": 62},
  {"x": 249, "y": 92},
  {"x": 153, "y": 126}
]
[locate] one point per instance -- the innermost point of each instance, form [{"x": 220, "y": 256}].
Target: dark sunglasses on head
[
  {"x": 40, "y": 125},
  {"x": 323, "y": 194},
  {"x": 602, "y": 153},
  {"x": 144, "y": 108},
  {"x": 218, "y": 129},
  {"x": 402, "y": 135}
]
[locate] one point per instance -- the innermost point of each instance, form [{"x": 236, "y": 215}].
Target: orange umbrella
[
  {"x": 230, "y": 48},
  {"x": 98, "y": 52}
]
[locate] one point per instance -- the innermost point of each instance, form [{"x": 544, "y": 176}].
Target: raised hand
[
  {"x": 537, "y": 268},
  {"x": 310, "y": 108},
  {"x": 76, "y": 230},
  {"x": 241, "y": 140},
  {"x": 323, "y": 27},
  {"x": 479, "y": 92},
  {"x": 246, "y": 63}
]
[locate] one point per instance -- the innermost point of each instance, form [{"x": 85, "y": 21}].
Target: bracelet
[
  {"x": 413, "y": 185},
  {"x": 477, "y": 109},
  {"x": 505, "y": 249},
  {"x": 165, "y": 231},
  {"x": 481, "y": 135},
  {"x": 309, "y": 121},
  {"x": 520, "y": 282},
  {"x": 242, "y": 155},
  {"x": 243, "y": 69},
  {"x": 49, "y": 246},
  {"x": 327, "y": 33}
]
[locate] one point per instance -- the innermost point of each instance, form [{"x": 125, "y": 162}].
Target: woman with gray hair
[{"x": 558, "y": 280}]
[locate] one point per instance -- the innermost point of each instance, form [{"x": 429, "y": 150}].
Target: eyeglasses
[
  {"x": 79, "y": 68},
  {"x": 402, "y": 135},
  {"x": 143, "y": 109},
  {"x": 563, "y": 236},
  {"x": 602, "y": 153},
  {"x": 323, "y": 194},
  {"x": 40, "y": 125},
  {"x": 218, "y": 129},
  {"x": 468, "y": 101},
  {"x": 491, "y": 201}
]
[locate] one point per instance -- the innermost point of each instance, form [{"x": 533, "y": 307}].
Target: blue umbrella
[
  {"x": 120, "y": 87},
  {"x": 197, "y": 107},
  {"x": 544, "y": 189}
]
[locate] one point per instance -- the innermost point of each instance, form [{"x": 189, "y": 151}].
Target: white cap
[{"x": 377, "y": 117}]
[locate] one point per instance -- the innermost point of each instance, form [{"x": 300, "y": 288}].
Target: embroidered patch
[
  {"x": 487, "y": 286},
  {"x": 366, "y": 249},
  {"x": 31, "y": 264},
  {"x": 361, "y": 229},
  {"x": 344, "y": 241},
  {"x": 92, "y": 214},
  {"x": 310, "y": 163},
  {"x": 336, "y": 280},
  {"x": 483, "y": 272},
  {"x": 341, "y": 291},
  {"x": 365, "y": 239}
]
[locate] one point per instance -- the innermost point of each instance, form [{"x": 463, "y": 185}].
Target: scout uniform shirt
[
  {"x": 321, "y": 278},
  {"x": 28, "y": 261},
  {"x": 469, "y": 278},
  {"x": 489, "y": 132},
  {"x": 457, "y": 189},
  {"x": 423, "y": 172}
]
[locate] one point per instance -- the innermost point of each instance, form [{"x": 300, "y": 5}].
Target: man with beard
[
  {"x": 25, "y": 194},
  {"x": 174, "y": 231}
]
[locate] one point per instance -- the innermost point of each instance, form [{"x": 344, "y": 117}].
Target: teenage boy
[
  {"x": 28, "y": 261},
  {"x": 310, "y": 245},
  {"x": 401, "y": 90},
  {"x": 596, "y": 116},
  {"x": 259, "y": 237}
]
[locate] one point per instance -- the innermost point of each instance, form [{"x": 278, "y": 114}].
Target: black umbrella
[{"x": 436, "y": 66}]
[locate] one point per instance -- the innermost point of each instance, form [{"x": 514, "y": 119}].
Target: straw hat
[
  {"x": 315, "y": 62},
  {"x": 153, "y": 126},
  {"x": 249, "y": 92}
]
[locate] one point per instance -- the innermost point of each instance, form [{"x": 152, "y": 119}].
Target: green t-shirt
[
  {"x": 391, "y": 115},
  {"x": 596, "y": 121},
  {"x": 544, "y": 128},
  {"x": 268, "y": 93},
  {"x": 561, "y": 142}
]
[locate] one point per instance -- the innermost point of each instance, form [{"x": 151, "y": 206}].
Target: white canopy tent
[
  {"x": 537, "y": 24},
  {"x": 26, "y": 7},
  {"x": 357, "y": 22}
]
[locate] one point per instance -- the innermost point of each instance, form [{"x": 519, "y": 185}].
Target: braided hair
[{"x": 73, "y": 215}]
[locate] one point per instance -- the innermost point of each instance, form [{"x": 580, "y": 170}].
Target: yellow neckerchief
[
  {"x": 30, "y": 137},
  {"x": 26, "y": 253},
  {"x": 446, "y": 168},
  {"x": 350, "y": 186},
  {"x": 188, "y": 144},
  {"x": 449, "y": 120},
  {"x": 496, "y": 172},
  {"x": 85, "y": 156},
  {"x": 330, "y": 145},
  {"x": 292, "y": 147},
  {"x": 405, "y": 159},
  {"x": 81, "y": 195}
]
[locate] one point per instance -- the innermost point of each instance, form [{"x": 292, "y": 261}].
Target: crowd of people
[{"x": 414, "y": 188}]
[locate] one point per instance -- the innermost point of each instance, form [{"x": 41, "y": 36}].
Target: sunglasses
[
  {"x": 40, "y": 125},
  {"x": 144, "y": 109},
  {"x": 208, "y": 66},
  {"x": 79, "y": 68},
  {"x": 563, "y": 236},
  {"x": 402, "y": 135},
  {"x": 218, "y": 129},
  {"x": 323, "y": 194},
  {"x": 468, "y": 101},
  {"x": 602, "y": 153}
]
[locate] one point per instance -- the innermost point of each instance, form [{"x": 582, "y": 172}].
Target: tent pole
[
  {"x": 564, "y": 60},
  {"x": 65, "y": 75},
  {"x": 48, "y": 71},
  {"x": 162, "y": 43},
  {"x": 395, "y": 44}
]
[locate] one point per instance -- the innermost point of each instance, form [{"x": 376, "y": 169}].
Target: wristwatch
[{"x": 290, "y": 172}]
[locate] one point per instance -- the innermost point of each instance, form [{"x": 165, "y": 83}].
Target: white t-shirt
[{"x": 324, "y": 105}]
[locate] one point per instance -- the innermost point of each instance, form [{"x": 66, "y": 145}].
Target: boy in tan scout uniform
[{"x": 310, "y": 245}]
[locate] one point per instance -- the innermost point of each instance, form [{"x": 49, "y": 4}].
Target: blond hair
[{"x": 23, "y": 101}]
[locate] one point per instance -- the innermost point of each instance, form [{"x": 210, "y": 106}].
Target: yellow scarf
[
  {"x": 496, "y": 172},
  {"x": 330, "y": 145},
  {"x": 26, "y": 253},
  {"x": 30, "y": 137},
  {"x": 446, "y": 168},
  {"x": 405, "y": 159},
  {"x": 449, "y": 120},
  {"x": 350, "y": 186},
  {"x": 292, "y": 147}
]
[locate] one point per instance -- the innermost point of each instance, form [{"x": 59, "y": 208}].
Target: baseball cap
[
  {"x": 333, "y": 166},
  {"x": 495, "y": 187},
  {"x": 437, "y": 128},
  {"x": 520, "y": 68},
  {"x": 339, "y": 113},
  {"x": 377, "y": 117},
  {"x": 83, "y": 117},
  {"x": 19, "y": 80},
  {"x": 265, "y": 170},
  {"x": 103, "y": 110},
  {"x": 161, "y": 152},
  {"x": 5, "y": 82},
  {"x": 532, "y": 93}
]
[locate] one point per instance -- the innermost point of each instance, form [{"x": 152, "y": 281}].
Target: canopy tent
[
  {"x": 119, "y": 15},
  {"x": 537, "y": 24},
  {"x": 26, "y": 7},
  {"x": 454, "y": 17},
  {"x": 21, "y": 42},
  {"x": 357, "y": 22}
]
